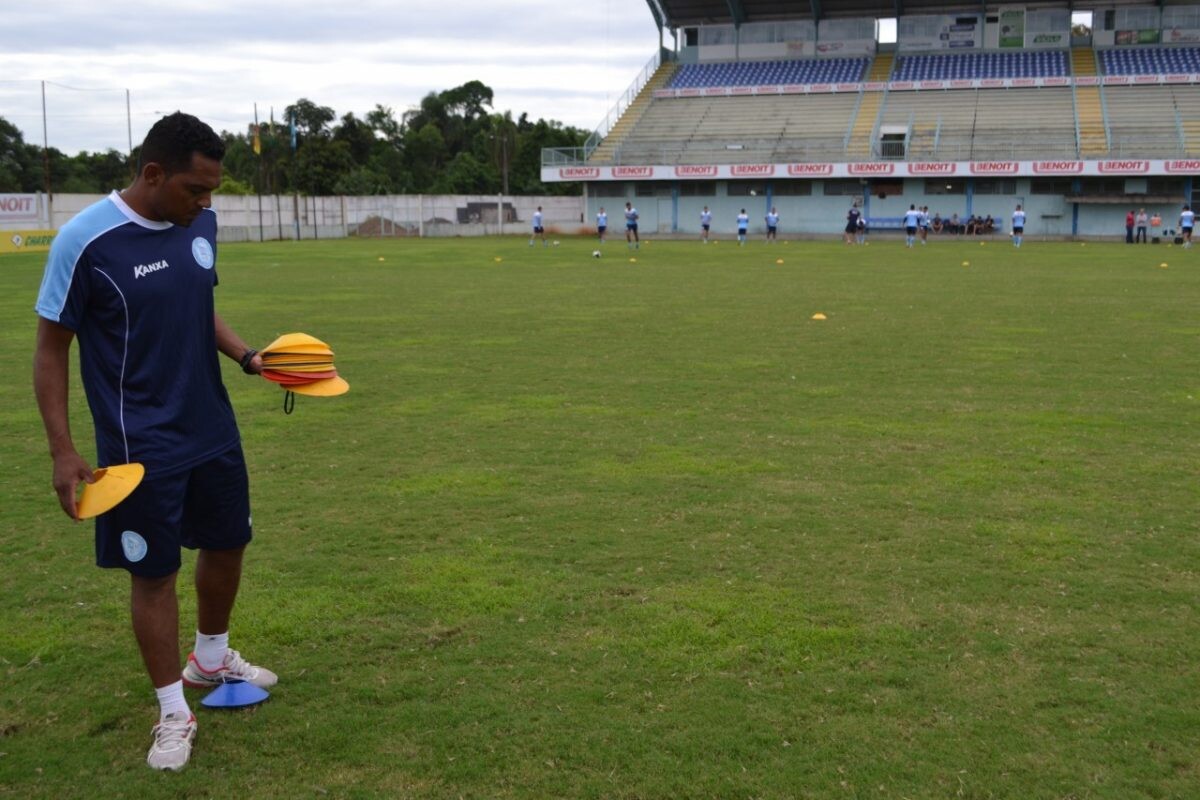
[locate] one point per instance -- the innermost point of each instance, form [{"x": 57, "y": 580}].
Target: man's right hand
[{"x": 69, "y": 470}]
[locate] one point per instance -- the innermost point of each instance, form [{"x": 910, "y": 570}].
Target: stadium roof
[{"x": 681, "y": 13}]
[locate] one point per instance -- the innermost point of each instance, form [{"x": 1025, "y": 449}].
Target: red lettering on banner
[
  {"x": 1088, "y": 80},
  {"x": 933, "y": 84},
  {"x": 810, "y": 169},
  {"x": 1056, "y": 81},
  {"x": 961, "y": 84},
  {"x": 575, "y": 173},
  {"x": 901, "y": 85},
  {"x": 1190, "y": 165},
  {"x": 994, "y": 167},
  {"x": 871, "y": 168},
  {"x": 847, "y": 87},
  {"x": 768, "y": 90},
  {"x": 1108, "y": 167},
  {"x": 795, "y": 88},
  {"x": 695, "y": 171},
  {"x": 752, "y": 169},
  {"x": 664, "y": 93},
  {"x": 1057, "y": 167},
  {"x": 932, "y": 168},
  {"x": 1175, "y": 78},
  {"x": 820, "y": 87},
  {"x": 633, "y": 172},
  {"x": 875, "y": 86},
  {"x": 689, "y": 92},
  {"x": 992, "y": 83},
  {"x": 1116, "y": 80},
  {"x": 741, "y": 90},
  {"x": 716, "y": 90},
  {"x": 1146, "y": 79},
  {"x": 16, "y": 203},
  {"x": 1024, "y": 82}
]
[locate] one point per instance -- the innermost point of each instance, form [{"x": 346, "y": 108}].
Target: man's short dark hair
[{"x": 173, "y": 140}]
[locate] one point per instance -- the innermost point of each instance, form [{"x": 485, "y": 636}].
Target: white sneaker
[
  {"x": 234, "y": 668},
  {"x": 173, "y": 739}
]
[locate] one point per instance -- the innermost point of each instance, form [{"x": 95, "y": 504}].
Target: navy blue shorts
[
  {"x": 539, "y": 229},
  {"x": 770, "y": 229},
  {"x": 910, "y": 230},
  {"x": 705, "y": 227},
  {"x": 1018, "y": 230},
  {"x": 631, "y": 226},
  {"x": 207, "y": 508},
  {"x": 602, "y": 228}
]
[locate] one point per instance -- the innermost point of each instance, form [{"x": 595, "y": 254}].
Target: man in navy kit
[{"x": 131, "y": 277}]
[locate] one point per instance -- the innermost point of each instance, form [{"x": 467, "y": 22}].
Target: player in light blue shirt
[
  {"x": 743, "y": 222},
  {"x": 772, "y": 226},
  {"x": 631, "y": 227},
  {"x": 705, "y": 224},
  {"x": 1018, "y": 226},
  {"x": 912, "y": 220},
  {"x": 601, "y": 223},
  {"x": 1187, "y": 221},
  {"x": 538, "y": 228}
]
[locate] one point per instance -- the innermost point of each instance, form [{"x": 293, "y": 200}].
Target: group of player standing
[{"x": 916, "y": 226}]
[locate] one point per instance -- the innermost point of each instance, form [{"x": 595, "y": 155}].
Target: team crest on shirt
[{"x": 202, "y": 251}]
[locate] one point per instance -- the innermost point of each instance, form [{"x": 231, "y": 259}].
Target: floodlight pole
[{"x": 46, "y": 153}]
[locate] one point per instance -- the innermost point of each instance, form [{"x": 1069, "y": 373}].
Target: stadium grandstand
[{"x": 973, "y": 109}]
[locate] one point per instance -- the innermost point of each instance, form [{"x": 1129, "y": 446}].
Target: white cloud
[{"x": 564, "y": 61}]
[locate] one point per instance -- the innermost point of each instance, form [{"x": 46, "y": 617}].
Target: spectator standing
[
  {"x": 1129, "y": 220},
  {"x": 1141, "y": 220}
]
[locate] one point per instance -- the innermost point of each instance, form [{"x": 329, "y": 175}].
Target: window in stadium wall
[
  {"x": 847, "y": 187},
  {"x": 653, "y": 189},
  {"x": 995, "y": 186},
  {"x": 697, "y": 188},
  {"x": 607, "y": 189},
  {"x": 1050, "y": 185},
  {"x": 1101, "y": 187},
  {"x": 945, "y": 186},
  {"x": 745, "y": 188},
  {"x": 791, "y": 188},
  {"x": 1161, "y": 186}
]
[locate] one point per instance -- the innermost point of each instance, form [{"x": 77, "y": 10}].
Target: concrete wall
[
  {"x": 289, "y": 217},
  {"x": 819, "y": 214}
]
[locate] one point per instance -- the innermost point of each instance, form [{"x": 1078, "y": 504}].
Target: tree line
[{"x": 452, "y": 143}]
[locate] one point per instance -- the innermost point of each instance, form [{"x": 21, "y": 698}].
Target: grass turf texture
[{"x": 643, "y": 530}]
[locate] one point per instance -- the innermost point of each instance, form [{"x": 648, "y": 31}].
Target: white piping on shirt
[{"x": 124, "y": 357}]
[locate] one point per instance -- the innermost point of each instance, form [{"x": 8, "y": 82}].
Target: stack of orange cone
[{"x": 302, "y": 364}]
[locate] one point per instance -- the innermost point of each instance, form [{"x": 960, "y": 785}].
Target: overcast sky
[{"x": 568, "y": 61}]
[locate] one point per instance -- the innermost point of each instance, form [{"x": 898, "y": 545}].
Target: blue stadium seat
[
  {"x": 976, "y": 66},
  {"x": 1150, "y": 60},
  {"x": 761, "y": 73}
]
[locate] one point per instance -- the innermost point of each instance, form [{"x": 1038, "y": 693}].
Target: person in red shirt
[{"x": 1129, "y": 228}]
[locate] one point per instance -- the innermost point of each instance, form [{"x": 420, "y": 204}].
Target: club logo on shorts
[
  {"x": 202, "y": 251},
  {"x": 134, "y": 546}
]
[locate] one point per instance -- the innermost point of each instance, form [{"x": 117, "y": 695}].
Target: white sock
[
  {"x": 210, "y": 649},
  {"x": 170, "y": 701}
]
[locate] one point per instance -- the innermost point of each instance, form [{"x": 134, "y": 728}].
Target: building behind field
[{"x": 972, "y": 110}]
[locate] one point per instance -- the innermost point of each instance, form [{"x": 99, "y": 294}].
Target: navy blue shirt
[{"x": 139, "y": 296}]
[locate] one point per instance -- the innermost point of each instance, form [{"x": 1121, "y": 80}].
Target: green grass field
[{"x": 598, "y": 529}]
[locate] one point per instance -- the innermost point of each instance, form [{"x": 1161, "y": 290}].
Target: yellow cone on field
[
  {"x": 966, "y": 263},
  {"x": 779, "y": 261},
  {"x": 497, "y": 259},
  {"x": 1163, "y": 265},
  {"x": 633, "y": 261},
  {"x": 381, "y": 258},
  {"x": 818, "y": 315}
]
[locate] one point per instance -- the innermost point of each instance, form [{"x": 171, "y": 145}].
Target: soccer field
[{"x": 595, "y": 528}]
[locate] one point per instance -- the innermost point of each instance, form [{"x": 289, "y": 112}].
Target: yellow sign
[{"x": 26, "y": 241}]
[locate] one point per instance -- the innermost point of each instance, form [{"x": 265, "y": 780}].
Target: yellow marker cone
[
  {"x": 818, "y": 315},
  {"x": 633, "y": 261},
  {"x": 1163, "y": 265},
  {"x": 111, "y": 486},
  {"x": 381, "y": 258},
  {"x": 779, "y": 261},
  {"x": 497, "y": 259},
  {"x": 966, "y": 263}
]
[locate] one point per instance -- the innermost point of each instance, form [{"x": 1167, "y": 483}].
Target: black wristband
[{"x": 247, "y": 357}]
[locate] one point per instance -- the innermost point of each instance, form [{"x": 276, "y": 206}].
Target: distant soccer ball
[
  {"x": 556, "y": 244},
  {"x": 595, "y": 254}
]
